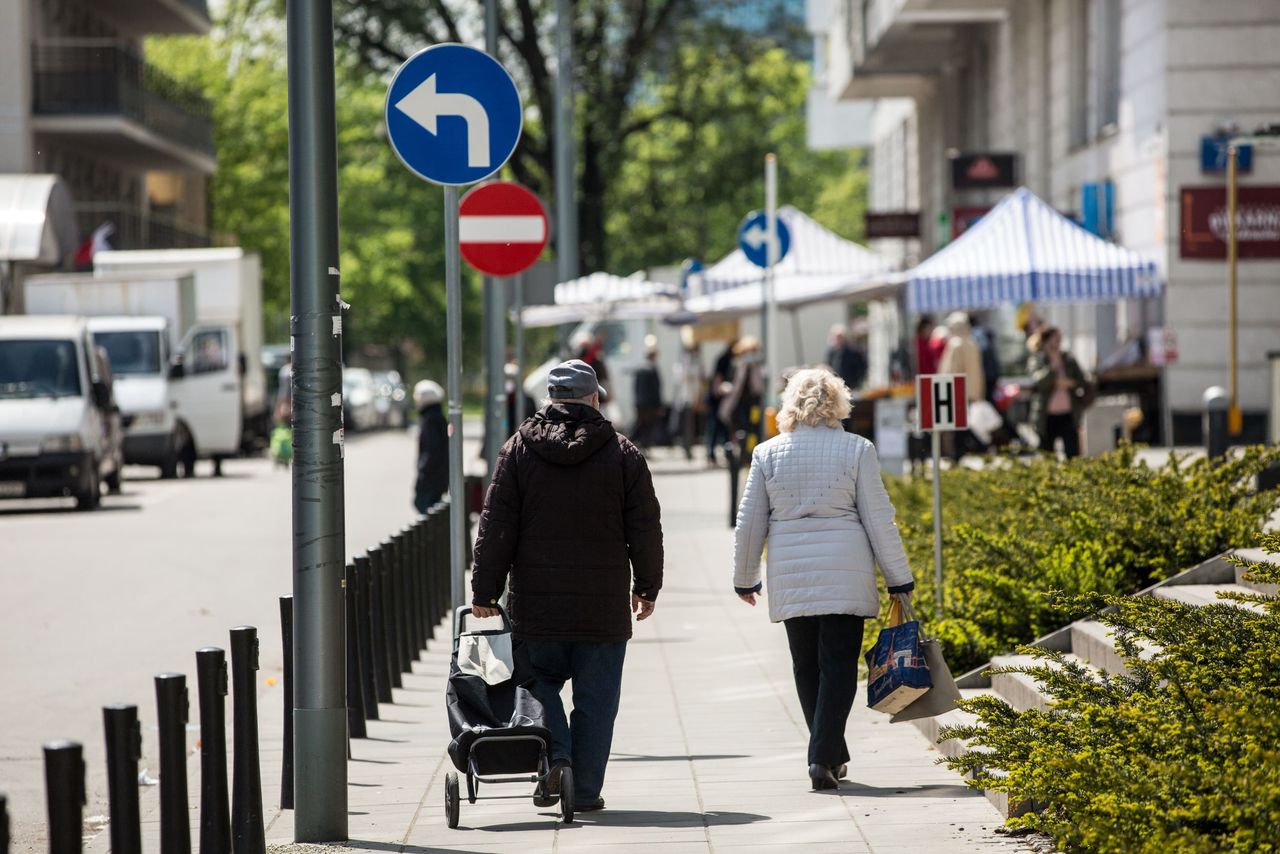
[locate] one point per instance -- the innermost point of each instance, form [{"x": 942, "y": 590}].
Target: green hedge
[
  {"x": 1182, "y": 754},
  {"x": 1110, "y": 524}
]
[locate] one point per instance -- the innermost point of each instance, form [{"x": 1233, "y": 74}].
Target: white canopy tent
[
  {"x": 601, "y": 295},
  {"x": 820, "y": 266}
]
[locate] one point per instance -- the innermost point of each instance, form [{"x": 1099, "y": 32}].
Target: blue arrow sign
[
  {"x": 453, "y": 114},
  {"x": 753, "y": 239}
]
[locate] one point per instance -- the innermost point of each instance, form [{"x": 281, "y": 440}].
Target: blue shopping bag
[{"x": 897, "y": 670}]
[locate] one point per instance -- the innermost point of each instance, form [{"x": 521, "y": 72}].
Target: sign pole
[
  {"x": 453, "y": 304},
  {"x": 771, "y": 304},
  {"x": 518, "y": 298},
  {"x": 1234, "y": 420},
  {"x": 936, "y": 441},
  {"x": 319, "y": 547},
  {"x": 495, "y": 308},
  {"x": 566, "y": 205}
]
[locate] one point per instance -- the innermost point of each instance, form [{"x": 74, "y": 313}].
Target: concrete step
[
  {"x": 1256, "y": 556},
  {"x": 1021, "y": 690},
  {"x": 1095, "y": 643},
  {"x": 931, "y": 727},
  {"x": 1200, "y": 595}
]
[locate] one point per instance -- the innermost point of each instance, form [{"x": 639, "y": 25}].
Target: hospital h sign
[{"x": 941, "y": 403}]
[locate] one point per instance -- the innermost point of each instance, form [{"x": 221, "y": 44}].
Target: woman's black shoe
[
  {"x": 822, "y": 778},
  {"x": 842, "y": 772}
]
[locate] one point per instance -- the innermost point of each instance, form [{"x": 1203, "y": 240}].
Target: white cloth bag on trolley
[{"x": 487, "y": 656}]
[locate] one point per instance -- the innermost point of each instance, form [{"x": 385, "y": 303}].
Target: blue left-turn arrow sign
[{"x": 453, "y": 114}]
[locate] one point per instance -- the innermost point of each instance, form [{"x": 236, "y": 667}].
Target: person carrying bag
[{"x": 908, "y": 677}]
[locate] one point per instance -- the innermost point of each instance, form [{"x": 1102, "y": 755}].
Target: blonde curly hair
[{"x": 814, "y": 397}]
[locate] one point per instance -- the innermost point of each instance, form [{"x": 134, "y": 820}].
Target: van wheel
[{"x": 91, "y": 499}]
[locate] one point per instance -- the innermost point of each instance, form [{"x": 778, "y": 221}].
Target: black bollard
[
  {"x": 215, "y": 815},
  {"x": 378, "y": 627},
  {"x": 386, "y": 575},
  {"x": 355, "y": 692},
  {"x": 415, "y": 610},
  {"x": 4, "y": 824},
  {"x": 429, "y": 568},
  {"x": 1217, "y": 438},
  {"x": 391, "y": 546},
  {"x": 65, "y": 795},
  {"x": 248, "y": 833},
  {"x": 419, "y": 532},
  {"x": 368, "y": 679},
  {"x": 409, "y": 652},
  {"x": 124, "y": 749},
  {"x": 731, "y": 460},
  {"x": 172, "y": 713},
  {"x": 286, "y": 760}
]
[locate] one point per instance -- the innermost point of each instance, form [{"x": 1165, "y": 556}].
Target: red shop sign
[{"x": 1204, "y": 222}]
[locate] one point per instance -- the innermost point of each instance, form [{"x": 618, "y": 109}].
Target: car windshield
[
  {"x": 132, "y": 351},
  {"x": 41, "y": 368}
]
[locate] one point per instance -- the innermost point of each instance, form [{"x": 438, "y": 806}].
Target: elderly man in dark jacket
[{"x": 572, "y": 519}]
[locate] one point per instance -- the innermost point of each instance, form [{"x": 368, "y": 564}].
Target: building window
[
  {"x": 1108, "y": 41},
  {"x": 1078, "y": 68}
]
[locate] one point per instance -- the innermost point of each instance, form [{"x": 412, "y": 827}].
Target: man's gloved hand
[{"x": 641, "y": 607}]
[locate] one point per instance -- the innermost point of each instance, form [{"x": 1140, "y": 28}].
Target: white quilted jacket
[{"x": 817, "y": 496}]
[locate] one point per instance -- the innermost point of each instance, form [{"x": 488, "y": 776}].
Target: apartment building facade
[
  {"x": 132, "y": 148},
  {"x": 1114, "y": 112}
]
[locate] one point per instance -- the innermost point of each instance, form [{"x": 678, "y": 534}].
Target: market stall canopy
[
  {"x": 37, "y": 223},
  {"x": 821, "y": 266},
  {"x": 601, "y": 295},
  {"x": 1025, "y": 251}
]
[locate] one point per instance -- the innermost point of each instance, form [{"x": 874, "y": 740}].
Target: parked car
[
  {"x": 59, "y": 426},
  {"x": 359, "y": 399}
]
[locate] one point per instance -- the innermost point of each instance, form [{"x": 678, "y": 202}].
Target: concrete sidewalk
[{"x": 709, "y": 753}]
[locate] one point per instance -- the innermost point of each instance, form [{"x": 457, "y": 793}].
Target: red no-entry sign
[{"x": 502, "y": 228}]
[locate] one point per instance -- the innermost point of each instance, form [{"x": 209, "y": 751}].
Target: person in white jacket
[{"x": 816, "y": 495}]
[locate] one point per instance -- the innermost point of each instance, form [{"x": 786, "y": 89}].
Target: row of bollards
[
  {"x": 234, "y": 829},
  {"x": 396, "y": 594}
]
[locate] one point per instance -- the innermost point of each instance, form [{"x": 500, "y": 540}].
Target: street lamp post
[{"x": 1235, "y": 421}]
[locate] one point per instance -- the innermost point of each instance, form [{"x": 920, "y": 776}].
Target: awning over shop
[
  {"x": 1025, "y": 251},
  {"x": 600, "y": 296},
  {"x": 821, "y": 266},
  {"x": 37, "y": 223}
]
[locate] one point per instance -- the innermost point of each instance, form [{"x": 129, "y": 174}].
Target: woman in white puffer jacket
[{"x": 815, "y": 494}]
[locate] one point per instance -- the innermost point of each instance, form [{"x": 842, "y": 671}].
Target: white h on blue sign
[
  {"x": 453, "y": 114},
  {"x": 753, "y": 239}
]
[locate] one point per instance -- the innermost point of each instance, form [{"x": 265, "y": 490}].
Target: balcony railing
[
  {"x": 97, "y": 77},
  {"x": 135, "y": 229}
]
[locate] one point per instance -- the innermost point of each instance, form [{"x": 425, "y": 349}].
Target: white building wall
[{"x": 16, "y": 149}]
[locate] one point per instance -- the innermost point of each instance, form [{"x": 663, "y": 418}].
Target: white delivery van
[
  {"x": 139, "y": 319},
  {"x": 218, "y": 357},
  {"x": 55, "y": 412}
]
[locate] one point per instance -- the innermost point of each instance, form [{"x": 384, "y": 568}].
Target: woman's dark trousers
[
  {"x": 1062, "y": 427},
  {"x": 824, "y": 658}
]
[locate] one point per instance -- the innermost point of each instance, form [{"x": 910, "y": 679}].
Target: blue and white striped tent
[{"x": 1025, "y": 251}]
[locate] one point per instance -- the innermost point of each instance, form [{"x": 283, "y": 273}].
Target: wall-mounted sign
[
  {"x": 1213, "y": 155},
  {"x": 1162, "y": 345},
  {"x": 984, "y": 170},
  {"x": 1204, "y": 222},
  {"x": 965, "y": 216},
  {"x": 898, "y": 224}
]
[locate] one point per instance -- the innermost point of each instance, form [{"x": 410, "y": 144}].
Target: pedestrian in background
[
  {"x": 433, "y": 446},
  {"x": 815, "y": 496},
  {"x": 929, "y": 347},
  {"x": 1061, "y": 391},
  {"x": 962, "y": 356},
  {"x": 744, "y": 391},
  {"x": 848, "y": 360},
  {"x": 686, "y": 396},
  {"x": 648, "y": 397},
  {"x": 572, "y": 521},
  {"x": 721, "y": 375}
]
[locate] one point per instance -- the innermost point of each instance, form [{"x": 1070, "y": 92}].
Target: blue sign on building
[
  {"x": 453, "y": 114},
  {"x": 1213, "y": 155},
  {"x": 753, "y": 239}
]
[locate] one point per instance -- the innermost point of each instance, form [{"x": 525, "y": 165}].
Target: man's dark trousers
[
  {"x": 585, "y": 739},
  {"x": 824, "y": 659}
]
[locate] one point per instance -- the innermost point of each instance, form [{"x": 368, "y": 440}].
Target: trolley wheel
[
  {"x": 566, "y": 795},
  {"x": 452, "y": 806},
  {"x": 472, "y": 788}
]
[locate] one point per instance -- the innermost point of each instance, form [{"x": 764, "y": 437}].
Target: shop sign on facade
[
  {"x": 1204, "y": 223},
  {"x": 898, "y": 224},
  {"x": 984, "y": 170}
]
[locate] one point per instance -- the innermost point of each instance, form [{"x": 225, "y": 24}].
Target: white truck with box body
[
  {"x": 140, "y": 320},
  {"x": 218, "y": 358},
  {"x": 57, "y": 437}
]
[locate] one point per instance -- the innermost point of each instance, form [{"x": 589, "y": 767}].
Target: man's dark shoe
[
  {"x": 589, "y": 806},
  {"x": 548, "y": 792},
  {"x": 822, "y": 778}
]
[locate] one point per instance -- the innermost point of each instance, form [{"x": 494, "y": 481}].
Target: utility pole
[
  {"x": 1235, "y": 423},
  {"x": 566, "y": 203},
  {"x": 319, "y": 547},
  {"x": 495, "y": 311}
]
